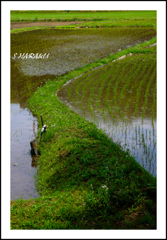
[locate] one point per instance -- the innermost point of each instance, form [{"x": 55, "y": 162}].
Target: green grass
[
  {"x": 86, "y": 180},
  {"x": 79, "y": 15}
]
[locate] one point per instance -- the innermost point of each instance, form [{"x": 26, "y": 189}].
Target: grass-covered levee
[{"x": 85, "y": 180}]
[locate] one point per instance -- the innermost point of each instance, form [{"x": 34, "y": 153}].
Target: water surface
[{"x": 23, "y": 166}]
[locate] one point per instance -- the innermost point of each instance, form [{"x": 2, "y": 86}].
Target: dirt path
[{"x": 15, "y": 25}]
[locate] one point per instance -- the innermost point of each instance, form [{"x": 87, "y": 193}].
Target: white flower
[{"x": 105, "y": 187}]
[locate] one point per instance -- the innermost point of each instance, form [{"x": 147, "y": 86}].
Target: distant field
[{"x": 76, "y": 15}]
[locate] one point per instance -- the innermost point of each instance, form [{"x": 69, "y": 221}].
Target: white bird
[{"x": 42, "y": 131}]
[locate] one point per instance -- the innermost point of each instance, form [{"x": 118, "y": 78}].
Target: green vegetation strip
[
  {"x": 79, "y": 15},
  {"x": 92, "y": 19},
  {"x": 86, "y": 180}
]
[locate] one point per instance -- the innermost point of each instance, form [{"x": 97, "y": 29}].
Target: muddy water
[
  {"x": 67, "y": 50},
  {"x": 23, "y": 167},
  {"x": 120, "y": 98}
]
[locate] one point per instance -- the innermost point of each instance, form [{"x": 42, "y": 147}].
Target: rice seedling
[
  {"x": 151, "y": 79},
  {"x": 153, "y": 104},
  {"x": 113, "y": 71},
  {"x": 84, "y": 85},
  {"x": 150, "y": 70},
  {"x": 136, "y": 67}
]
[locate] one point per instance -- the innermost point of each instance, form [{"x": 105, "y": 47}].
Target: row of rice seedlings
[
  {"x": 152, "y": 78},
  {"x": 89, "y": 81},
  {"x": 82, "y": 81},
  {"x": 112, "y": 71},
  {"x": 104, "y": 90},
  {"x": 106, "y": 72},
  {"x": 134, "y": 75},
  {"x": 147, "y": 153},
  {"x": 90, "y": 98},
  {"x": 115, "y": 99},
  {"x": 93, "y": 89},
  {"x": 77, "y": 87},
  {"x": 128, "y": 82},
  {"x": 140, "y": 71},
  {"x": 140, "y": 147},
  {"x": 129, "y": 70},
  {"x": 154, "y": 102},
  {"x": 151, "y": 68},
  {"x": 128, "y": 73},
  {"x": 139, "y": 68},
  {"x": 136, "y": 136},
  {"x": 89, "y": 86},
  {"x": 147, "y": 141},
  {"x": 76, "y": 84}
]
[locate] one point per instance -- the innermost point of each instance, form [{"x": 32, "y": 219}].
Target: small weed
[{"x": 35, "y": 19}]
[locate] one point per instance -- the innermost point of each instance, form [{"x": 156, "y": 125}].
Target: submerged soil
[{"x": 14, "y": 25}]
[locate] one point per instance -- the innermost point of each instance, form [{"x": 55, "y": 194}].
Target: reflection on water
[
  {"x": 138, "y": 136},
  {"x": 23, "y": 168}
]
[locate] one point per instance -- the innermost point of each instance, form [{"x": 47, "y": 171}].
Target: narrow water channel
[
  {"x": 66, "y": 50},
  {"x": 23, "y": 167}
]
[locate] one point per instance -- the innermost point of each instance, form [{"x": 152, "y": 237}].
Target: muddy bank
[{"x": 15, "y": 25}]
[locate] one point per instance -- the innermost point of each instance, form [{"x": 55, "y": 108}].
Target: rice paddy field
[
  {"x": 97, "y": 168},
  {"x": 68, "y": 50},
  {"x": 120, "y": 98}
]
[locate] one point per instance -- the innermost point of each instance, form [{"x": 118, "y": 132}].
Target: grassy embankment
[
  {"x": 86, "y": 180},
  {"x": 93, "y": 19}
]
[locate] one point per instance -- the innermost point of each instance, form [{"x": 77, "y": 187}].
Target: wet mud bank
[{"x": 15, "y": 25}]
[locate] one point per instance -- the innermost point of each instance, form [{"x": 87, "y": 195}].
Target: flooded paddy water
[
  {"x": 120, "y": 98},
  {"x": 65, "y": 50}
]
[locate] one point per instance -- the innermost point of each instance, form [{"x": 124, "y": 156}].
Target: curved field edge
[{"x": 86, "y": 180}]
